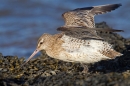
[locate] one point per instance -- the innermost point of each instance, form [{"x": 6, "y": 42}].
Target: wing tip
[{"x": 117, "y": 5}]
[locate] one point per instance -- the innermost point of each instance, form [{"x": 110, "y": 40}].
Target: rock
[{"x": 46, "y": 71}]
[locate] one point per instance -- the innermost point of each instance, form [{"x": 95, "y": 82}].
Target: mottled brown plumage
[
  {"x": 85, "y": 16},
  {"x": 79, "y": 41}
]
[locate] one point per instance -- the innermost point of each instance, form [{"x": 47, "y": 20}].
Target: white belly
[{"x": 85, "y": 51}]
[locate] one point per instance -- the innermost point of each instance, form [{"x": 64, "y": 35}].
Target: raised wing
[{"x": 85, "y": 16}]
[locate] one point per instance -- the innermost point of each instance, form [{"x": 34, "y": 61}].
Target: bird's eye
[{"x": 41, "y": 42}]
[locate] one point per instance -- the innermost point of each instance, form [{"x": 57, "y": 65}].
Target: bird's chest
[
  {"x": 84, "y": 54},
  {"x": 76, "y": 50},
  {"x": 78, "y": 46}
]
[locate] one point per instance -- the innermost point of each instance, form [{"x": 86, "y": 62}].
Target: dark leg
[{"x": 85, "y": 70}]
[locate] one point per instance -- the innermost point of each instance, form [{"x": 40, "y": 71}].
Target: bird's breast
[{"x": 77, "y": 50}]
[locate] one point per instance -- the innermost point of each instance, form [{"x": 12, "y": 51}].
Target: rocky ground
[{"x": 46, "y": 71}]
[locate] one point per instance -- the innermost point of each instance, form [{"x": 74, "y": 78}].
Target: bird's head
[{"x": 42, "y": 44}]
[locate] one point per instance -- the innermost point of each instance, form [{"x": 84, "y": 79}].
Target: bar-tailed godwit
[{"x": 78, "y": 41}]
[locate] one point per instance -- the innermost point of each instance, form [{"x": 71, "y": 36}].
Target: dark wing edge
[
  {"x": 87, "y": 29},
  {"x": 107, "y": 7},
  {"x": 85, "y": 33},
  {"x": 104, "y": 8}
]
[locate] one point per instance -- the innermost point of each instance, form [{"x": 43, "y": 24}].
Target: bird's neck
[{"x": 54, "y": 46}]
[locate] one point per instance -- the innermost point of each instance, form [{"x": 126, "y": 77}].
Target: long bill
[{"x": 33, "y": 54}]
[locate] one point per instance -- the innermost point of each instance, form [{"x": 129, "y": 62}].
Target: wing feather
[
  {"x": 85, "y": 16},
  {"x": 84, "y": 32}
]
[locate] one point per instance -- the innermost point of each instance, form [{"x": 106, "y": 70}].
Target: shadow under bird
[{"x": 78, "y": 41}]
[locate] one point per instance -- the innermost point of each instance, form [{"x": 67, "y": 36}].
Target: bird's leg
[{"x": 85, "y": 70}]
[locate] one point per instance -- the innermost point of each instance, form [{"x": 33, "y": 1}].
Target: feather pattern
[
  {"x": 85, "y": 16},
  {"x": 86, "y": 51}
]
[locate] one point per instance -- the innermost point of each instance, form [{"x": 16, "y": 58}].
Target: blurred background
[{"x": 22, "y": 22}]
